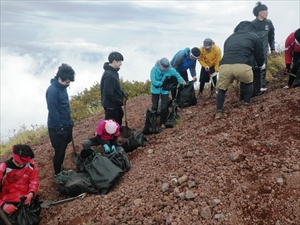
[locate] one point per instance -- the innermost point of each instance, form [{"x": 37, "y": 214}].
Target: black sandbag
[
  {"x": 186, "y": 95},
  {"x": 84, "y": 157},
  {"x": 72, "y": 184},
  {"x": 171, "y": 120},
  {"x": 119, "y": 158},
  {"x": 150, "y": 123},
  {"x": 104, "y": 173},
  {"x": 136, "y": 140},
  {"x": 169, "y": 83},
  {"x": 26, "y": 215}
]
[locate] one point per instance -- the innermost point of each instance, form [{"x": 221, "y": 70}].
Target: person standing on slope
[
  {"x": 60, "y": 125},
  {"x": 266, "y": 31}
]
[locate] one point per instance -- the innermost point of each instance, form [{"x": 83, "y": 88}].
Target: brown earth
[{"x": 241, "y": 169}]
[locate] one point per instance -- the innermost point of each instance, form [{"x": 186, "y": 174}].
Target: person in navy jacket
[{"x": 60, "y": 125}]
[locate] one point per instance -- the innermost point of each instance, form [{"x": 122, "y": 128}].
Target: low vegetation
[{"x": 87, "y": 103}]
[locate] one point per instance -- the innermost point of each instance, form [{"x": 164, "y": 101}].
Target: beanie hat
[
  {"x": 110, "y": 126},
  {"x": 297, "y": 35},
  {"x": 164, "y": 63},
  {"x": 195, "y": 52}
]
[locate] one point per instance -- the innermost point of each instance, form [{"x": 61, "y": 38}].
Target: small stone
[
  {"x": 165, "y": 187},
  {"x": 182, "y": 179},
  {"x": 244, "y": 188}
]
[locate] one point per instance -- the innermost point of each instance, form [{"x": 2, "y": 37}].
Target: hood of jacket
[
  {"x": 55, "y": 82},
  {"x": 245, "y": 26},
  {"x": 106, "y": 66}
]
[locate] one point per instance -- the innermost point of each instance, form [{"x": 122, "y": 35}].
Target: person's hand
[
  {"x": 273, "y": 52},
  {"x": 9, "y": 208},
  {"x": 195, "y": 78},
  {"x": 207, "y": 68},
  {"x": 61, "y": 132},
  {"x": 214, "y": 74},
  {"x": 183, "y": 82},
  {"x": 28, "y": 198},
  {"x": 262, "y": 67},
  {"x": 106, "y": 148},
  {"x": 113, "y": 148}
]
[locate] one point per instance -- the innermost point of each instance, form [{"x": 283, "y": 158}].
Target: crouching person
[
  {"x": 106, "y": 135},
  {"x": 20, "y": 180}
]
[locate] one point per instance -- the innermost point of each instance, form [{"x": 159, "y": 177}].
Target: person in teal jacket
[{"x": 161, "y": 70}]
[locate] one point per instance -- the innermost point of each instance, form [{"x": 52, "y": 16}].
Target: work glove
[
  {"x": 214, "y": 74},
  {"x": 287, "y": 68},
  {"x": 113, "y": 148},
  {"x": 28, "y": 198},
  {"x": 61, "y": 132},
  {"x": 9, "y": 208},
  {"x": 195, "y": 78},
  {"x": 106, "y": 148},
  {"x": 207, "y": 68},
  {"x": 262, "y": 67}
]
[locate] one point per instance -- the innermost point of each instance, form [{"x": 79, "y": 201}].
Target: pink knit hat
[{"x": 110, "y": 126}]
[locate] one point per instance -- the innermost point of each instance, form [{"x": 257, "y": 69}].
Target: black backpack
[{"x": 120, "y": 158}]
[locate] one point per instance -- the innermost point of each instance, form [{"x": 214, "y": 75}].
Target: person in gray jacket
[
  {"x": 266, "y": 31},
  {"x": 239, "y": 50}
]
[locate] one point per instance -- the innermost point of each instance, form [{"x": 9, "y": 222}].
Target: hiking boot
[
  {"x": 218, "y": 114},
  {"x": 263, "y": 89},
  {"x": 199, "y": 95},
  {"x": 244, "y": 105}
]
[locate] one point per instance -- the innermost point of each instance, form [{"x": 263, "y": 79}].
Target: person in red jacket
[
  {"x": 292, "y": 54},
  {"x": 106, "y": 135},
  {"x": 19, "y": 178}
]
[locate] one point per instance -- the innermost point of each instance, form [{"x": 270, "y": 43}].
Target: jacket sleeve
[
  {"x": 271, "y": 37},
  {"x": 109, "y": 87},
  {"x": 2, "y": 169},
  {"x": 193, "y": 68},
  {"x": 178, "y": 61},
  {"x": 52, "y": 104},
  {"x": 34, "y": 179},
  {"x": 201, "y": 57},
  {"x": 156, "y": 83},
  {"x": 218, "y": 59},
  {"x": 259, "y": 52},
  {"x": 177, "y": 75},
  {"x": 100, "y": 127},
  {"x": 288, "y": 51}
]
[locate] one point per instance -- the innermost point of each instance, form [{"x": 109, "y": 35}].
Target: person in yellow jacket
[{"x": 209, "y": 60}]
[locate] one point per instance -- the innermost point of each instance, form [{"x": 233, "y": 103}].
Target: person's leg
[
  {"x": 204, "y": 77},
  {"x": 155, "y": 99},
  {"x": 120, "y": 114},
  {"x": 164, "y": 109},
  {"x": 263, "y": 75},
  {"x": 115, "y": 113},
  {"x": 220, "y": 99},
  {"x": 86, "y": 144},
  {"x": 59, "y": 144},
  {"x": 248, "y": 90},
  {"x": 296, "y": 58}
]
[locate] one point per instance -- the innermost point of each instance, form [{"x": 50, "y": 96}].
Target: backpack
[
  {"x": 186, "y": 95},
  {"x": 171, "y": 119},
  {"x": 150, "y": 123},
  {"x": 119, "y": 158}
]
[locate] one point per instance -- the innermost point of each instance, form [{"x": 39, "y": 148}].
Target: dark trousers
[
  {"x": 296, "y": 58},
  {"x": 204, "y": 77},
  {"x": 95, "y": 141},
  {"x": 115, "y": 113},
  {"x": 60, "y": 143},
  {"x": 164, "y": 106},
  {"x": 184, "y": 75}
]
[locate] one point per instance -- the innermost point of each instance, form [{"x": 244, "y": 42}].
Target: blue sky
[{"x": 37, "y": 36}]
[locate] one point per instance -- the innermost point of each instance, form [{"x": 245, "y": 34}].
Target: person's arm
[
  {"x": 193, "y": 69},
  {"x": 178, "y": 61},
  {"x": 156, "y": 83},
  {"x": 288, "y": 51},
  {"x": 179, "y": 78},
  {"x": 217, "y": 59},
  {"x": 109, "y": 87},
  {"x": 271, "y": 37},
  {"x": 2, "y": 169},
  {"x": 34, "y": 180},
  {"x": 259, "y": 52},
  {"x": 100, "y": 127},
  {"x": 52, "y": 104}
]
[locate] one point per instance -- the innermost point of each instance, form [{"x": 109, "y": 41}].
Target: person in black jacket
[
  {"x": 236, "y": 63},
  {"x": 266, "y": 31},
  {"x": 112, "y": 96}
]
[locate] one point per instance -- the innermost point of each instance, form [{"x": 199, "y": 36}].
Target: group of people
[{"x": 245, "y": 49}]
